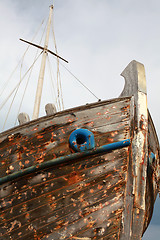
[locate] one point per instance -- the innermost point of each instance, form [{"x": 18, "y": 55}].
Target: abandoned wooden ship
[{"x": 90, "y": 172}]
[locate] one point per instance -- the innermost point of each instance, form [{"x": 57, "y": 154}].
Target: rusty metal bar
[{"x": 73, "y": 156}]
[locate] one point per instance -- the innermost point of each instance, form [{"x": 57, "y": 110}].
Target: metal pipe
[{"x": 73, "y": 156}]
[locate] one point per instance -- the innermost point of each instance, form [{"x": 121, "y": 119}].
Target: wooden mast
[{"x": 42, "y": 70}]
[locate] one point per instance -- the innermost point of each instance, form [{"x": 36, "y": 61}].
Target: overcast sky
[{"x": 99, "y": 39}]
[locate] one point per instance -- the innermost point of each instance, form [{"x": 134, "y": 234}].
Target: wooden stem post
[{"x": 134, "y": 214}]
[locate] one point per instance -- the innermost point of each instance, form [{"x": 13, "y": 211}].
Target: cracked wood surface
[
  {"x": 108, "y": 196},
  {"x": 80, "y": 199}
]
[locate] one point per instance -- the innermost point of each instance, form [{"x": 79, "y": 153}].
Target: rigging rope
[
  {"x": 80, "y": 82},
  {"x": 17, "y": 86},
  {"x": 30, "y": 74},
  {"x": 6, "y": 83},
  {"x": 26, "y": 87},
  {"x": 4, "y": 102},
  {"x": 59, "y": 97},
  {"x": 59, "y": 85},
  {"x": 52, "y": 83}
]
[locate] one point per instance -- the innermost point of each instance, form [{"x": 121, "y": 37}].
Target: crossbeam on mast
[{"x": 38, "y": 46}]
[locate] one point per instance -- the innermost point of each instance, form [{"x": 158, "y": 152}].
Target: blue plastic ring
[{"x": 81, "y": 140}]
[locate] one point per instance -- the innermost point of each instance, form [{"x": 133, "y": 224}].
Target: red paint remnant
[
  {"x": 19, "y": 156},
  {"x": 80, "y": 166},
  {"x": 110, "y": 140},
  {"x": 30, "y": 227},
  {"x": 70, "y": 120},
  {"x": 74, "y": 178},
  {"x": 11, "y": 137},
  {"x": 39, "y": 137},
  {"x": 100, "y": 206},
  {"x": 20, "y": 164},
  {"x": 63, "y": 131},
  {"x": 108, "y": 118},
  {"x": 35, "y": 129},
  {"x": 61, "y": 152},
  {"x": 27, "y": 162},
  {"x": 106, "y": 112},
  {"x": 114, "y": 133},
  {"x": 59, "y": 226},
  {"x": 85, "y": 220},
  {"x": 100, "y": 187},
  {"x": 54, "y": 155},
  {"x": 90, "y": 124},
  {"x": 53, "y": 134},
  {"x": 53, "y": 206},
  {"x": 27, "y": 216},
  {"x": 7, "y": 171}
]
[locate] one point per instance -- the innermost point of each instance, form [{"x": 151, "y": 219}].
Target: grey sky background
[{"x": 99, "y": 39}]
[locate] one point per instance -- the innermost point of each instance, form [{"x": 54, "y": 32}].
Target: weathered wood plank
[
  {"x": 101, "y": 138},
  {"x": 57, "y": 143},
  {"x": 37, "y": 183},
  {"x": 98, "y": 117},
  {"x": 67, "y": 115},
  {"x": 109, "y": 229},
  {"x": 97, "y": 201},
  {"x": 74, "y": 221},
  {"x": 95, "y": 186},
  {"x": 53, "y": 184},
  {"x": 63, "y": 196},
  {"x": 118, "y": 169}
]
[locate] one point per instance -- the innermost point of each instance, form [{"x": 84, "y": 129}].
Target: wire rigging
[
  {"x": 80, "y": 82},
  {"x": 59, "y": 85},
  {"x": 4, "y": 102},
  {"x": 30, "y": 74},
  {"x": 10, "y": 77},
  {"x": 52, "y": 82},
  {"x": 58, "y": 96},
  {"x": 17, "y": 86}
]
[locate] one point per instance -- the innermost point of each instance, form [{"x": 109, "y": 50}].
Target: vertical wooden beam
[{"x": 135, "y": 85}]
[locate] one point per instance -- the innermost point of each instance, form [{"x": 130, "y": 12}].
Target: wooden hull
[{"x": 85, "y": 198}]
